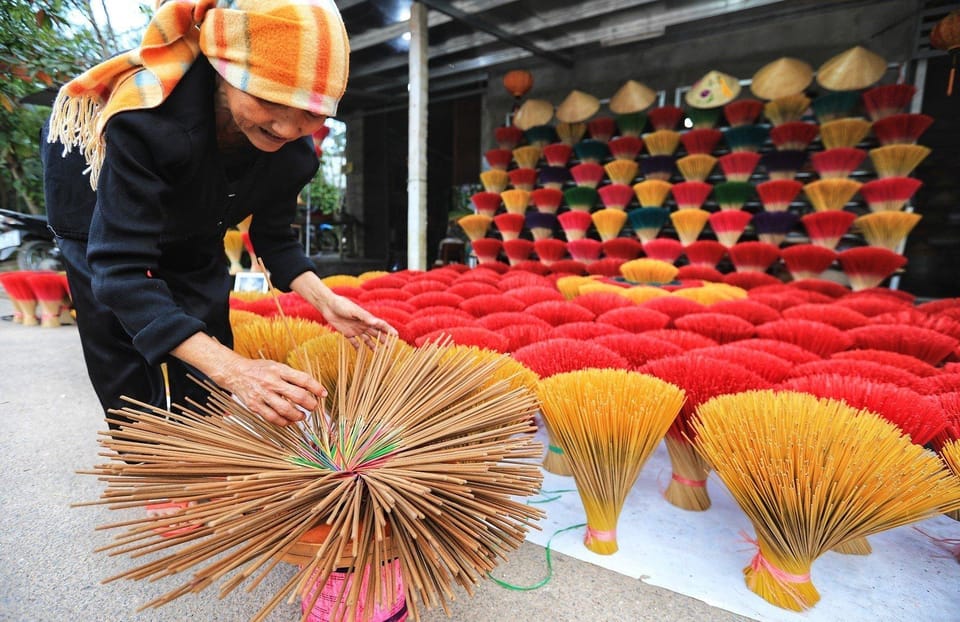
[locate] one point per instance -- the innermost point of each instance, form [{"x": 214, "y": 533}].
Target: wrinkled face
[{"x": 268, "y": 126}]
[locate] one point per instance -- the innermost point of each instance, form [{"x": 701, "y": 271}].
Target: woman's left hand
[{"x": 353, "y": 321}]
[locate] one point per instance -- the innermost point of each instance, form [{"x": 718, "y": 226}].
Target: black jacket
[{"x": 165, "y": 198}]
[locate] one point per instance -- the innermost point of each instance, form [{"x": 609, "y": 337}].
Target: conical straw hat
[
  {"x": 632, "y": 97},
  {"x": 854, "y": 69},
  {"x": 713, "y": 90},
  {"x": 578, "y": 106},
  {"x": 784, "y": 76},
  {"x": 532, "y": 113}
]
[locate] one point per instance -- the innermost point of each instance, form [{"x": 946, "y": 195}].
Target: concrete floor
[{"x": 49, "y": 570}]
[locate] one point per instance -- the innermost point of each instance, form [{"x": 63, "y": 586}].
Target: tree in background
[
  {"x": 43, "y": 43},
  {"x": 326, "y": 189}
]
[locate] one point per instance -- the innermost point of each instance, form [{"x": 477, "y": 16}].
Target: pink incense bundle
[
  {"x": 905, "y": 362},
  {"x": 638, "y": 348},
  {"x": 868, "y": 266},
  {"x": 625, "y": 147},
  {"x": 499, "y": 159},
  {"x": 523, "y": 178},
  {"x": 743, "y": 112},
  {"x": 566, "y": 267},
  {"x": 634, "y": 319},
  {"x": 557, "y": 312},
  {"x": 901, "y": 129},
  {"x": 602, "y": 302},
  {"x": 616, "y": 196},
  {"x": 584, "y": 250},
  {"x": 557, "y": 154},
  {"x": 925, "y": 344},
  {"x": 663, "y": 249},
  {"x": 817, "y": 337},
  {"x": 665, "y": 117},
  {"x": 509, "y": 225},
  {"x": 587, "y": 174},
  {"x": 835, "y": 315},
  {"x": 729, "y": 225},
  {"x": 508, "y": 137},
  {"x": 486, "y": 203},
  {"x": 690, "y": 194},
  {"x": 623, "y": 249},
  {"x": 807, "y": 261},
  {"x": 21, "y": 295},
  {"x": 888, "y": 99},
  {"x": 602, "y": 128},
  {"x": 793, "y": 135},
  {"x": 546, "y": 200},
  {"x": 889, "y": 194},
  {"x": 753, "y": 256},
  {"x": 705, "y": 253},
  {"x": 776, "y": 195},
  {"x": 517, "y": 250},
  {"x": 827, "y": 228},
  {"x": 487, "y": 250},
  {"x": 549, "y": 250},
  {"x": 701, "y": 140},
  {"x": 721, "y": 327},
  {"x": 750, "y": 310},
  {"x": 838, "y": 162},
  {"x": 739, "y": 166},
  {"x": 575, "y": 224}
]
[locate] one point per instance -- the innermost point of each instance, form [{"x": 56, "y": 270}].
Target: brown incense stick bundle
[
  {"x": 609, "y": 421},
  {"x": 812, "y": 473},
  {"x": 421, "y": 458}
]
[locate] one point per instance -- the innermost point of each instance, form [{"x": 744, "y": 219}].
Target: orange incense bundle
[
  {"x": 888, "y": 99},
  {"x": 509, "y": 225},
  {"x": 830, "y": 194},
  {"x": 889, "y": 194},
  {"x": 571, "y": 133},
  {"x": 609, "y": 421},
  {"x": 739, "y": 166},
  {"x": 729, "y": 225},
  {"x": 575, "y": 224},
  {"x": 587, "y": 174},
  {"x": 794, "y": 135},
  {"x": 837, "y": 162},
  {"x": 625, "y": 147},
  {"x": 494, "y": 180},
  {"x": 663, "y": 249},
  {"x": 886, "y": 229},
  {"x": 616, "y": 196},
  {"x": 776, "y": 195},
  {"x": 621, "y": 171},
  {"x": 827, "y": 228},
  {"x": 786, "y": 109},
  {"x": 807, "y": 261},
  {"x": 901, "y": 129},
  {"x": 897, "y": 160},
  {"x": 486, "y": 203},
  {"x": 753, "y": 256},
  {"x": 648, "y": 270},
  {"x": 701, "y": 140},
  {"x": 652, "y": 192},
  {"x": 557, "y": 154},
  {"x": 689, "y": 223},
  {"x": 696, "y": 166}
]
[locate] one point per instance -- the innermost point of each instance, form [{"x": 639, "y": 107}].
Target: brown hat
[
  {"x": 533, "y": 112},
  {"x": 852, "y": 70},
  {"x": 784, "y": 76},
  {"x": 577, "y": 107},
  {"x": 712, "y": 91},
  {"x": 633, "y": 96}
]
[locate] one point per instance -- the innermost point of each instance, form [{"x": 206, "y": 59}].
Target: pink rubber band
[
  {"x": 695, "y": 483},
  {"x": 759, "y": 562},
  {"x": 601, "y": 536}
]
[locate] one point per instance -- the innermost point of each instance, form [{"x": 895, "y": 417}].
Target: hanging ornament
[
  {"x": 518, "y": 83},
  {"x": 946, "y": 36}
]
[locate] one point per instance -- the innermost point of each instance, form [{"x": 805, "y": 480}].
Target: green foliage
[{"x": 324, "y": 196}]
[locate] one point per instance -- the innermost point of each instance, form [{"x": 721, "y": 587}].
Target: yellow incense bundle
[
  {"x": 886, "y": 229},
  {"x": 233, "y": 248},
  {"x": 846, "y": 132},
  {"x": 787, "y": 108},
  {"x": 646, "y": 270},
  {"x": 475, "y": 225},
  {"x": 897, "y": 160},
  {"x": 341, "y": 280},
  {"x": 273, "y": 338},
  {"x": 811, "y": 474},
  {"x": 652, "y": 192},
  {"x": 239, "y": 316},
  {"x": 526, "y": 156},
  {"x": 689, "y": 223},
  {"x": 570, "y": 133},
  {"x": 621, "y": 171},
  {"x": 609, "y": 222},
  {"x": 831, "y": 194},
  {"x": 516, "y": 200},
  {"x": 609, "y": 421},
  {"x": 696, "y": 166},
  {"x": 642, "y": 293},
  {"x": 661, "y": 142},
  {"x": 494, "y": 180}
]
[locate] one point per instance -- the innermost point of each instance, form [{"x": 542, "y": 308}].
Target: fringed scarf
[{"x": 290, "y": 52}]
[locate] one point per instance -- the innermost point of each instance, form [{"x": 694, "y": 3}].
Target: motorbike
[{"x": 29, "y": 237}]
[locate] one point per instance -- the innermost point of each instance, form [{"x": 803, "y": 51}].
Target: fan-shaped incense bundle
[
  {"x": 699, "y": 273},
  {"x": 541, "y": 224},
  {"x": 837, "y": 162},
  {"x": 557, "y": 154},
  {"x": 901, "y": 129},
  {"x": 609, "y": 421},
  {"x": 549, "y": 250},
  {"x": 509, "y": 225},
  {"x": 886, "y": 229},
  {"x": 664, "y": 249},
  {"x": 888, "y": 99},
  {"x": 508, "y": 136},
  {"x": 701, "y": 141},
  {"x": 836, "y": 315},
  {"x": 773, "y": 227},
  {"x": 926, "y": 344},
  {"x": 568, "y": 266},
  {"x": 729, "y": 225},
  {"x": 703, "y": 118},
  {"x": 751, "y": 279},
  {"x": 746, "y": 138},
  {"x": 705, "y": 253},
  {"x": 587, "y": 174},
  {"x": 16, "y": 284},
  {"x": 498, "y": 158},
  {"x": 743, "y": 112},
  {"x": 661, "y": 142},
  {"x": 696, "y": 166},
  {"x": 51, "y": 295},
  {"x": 889, "y": 194},
  {"x": 807, "y": 261},
  {"x": 836, "y": 105},
  {"x": 602, "y": 128},
  {"x": 847, "y": 132},
  {"x": 830, "y": 194},
  {"x": 753, "y": 256},
  {"x": 591, "y": 151},
  {"x": 475, "y": 225},
  {"x": 631, "y": 124},
  {"x": 233, "y": 248},
  {"x": 652, "y": 192},
  {"x": 522, "y": 178},
  {"x": 486, "y": 203},
  {"x": 527, "y": 156},
  {"x": 494, "y": 180},
  {"x": 621, "y": 171},
  {"x": 786, "y": 109},
  {"x": 827, "y": 228},
  {"x": 625, "y": 147},
  {"x": 739, "y": 166},
  {"x": 616, "y": 196},
  {"x": 658, "y": 167},
  {"x": 546, "y": 200},
  {"x": 665, "y": 117},
  {"x": 793, "y": 135},
  {"x": 575, "y": 223},
  {"x": 553, "y": 176},
  {"x": 688, "y": 223},
  {"x": 783, "y": 164},
  {"x": 690, "y": 194},
  {"x": 482, "y": 305},
  {"x": 581, "y": 198},
  {"x": 897, "y": 160},
  {"x": 905, "y": 362},
  {"x": 646, "y": 270},
  {"x": 841, "y": 485},
  {"x": 647, "y": 222},
  {"x": 624, "y": 249},
  {"x": 403, "y": 414},
  {"x": 721, "y": 327},
  {"x": 570, "y": 133},
  {"x": 517, "y": 250},
  {"x": 273, "y": 338},
  {"x": 585, "y": 250},
  {"x": 817, "y": 337},
  {"x": 487, "y": 250},
  {"x": 609, "y": 222},
  {"x": 540, "y": 135}
]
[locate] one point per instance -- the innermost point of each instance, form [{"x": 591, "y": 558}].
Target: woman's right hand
[{"x": 272, "y": 390}]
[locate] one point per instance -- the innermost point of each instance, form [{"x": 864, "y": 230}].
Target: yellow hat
[
  {"x": 852, "y": 70},
  {"x": 632, "y": 97},
  {"x": 784, "y": 76},
  {"x": 713, "y": 90},
  {"x": 577, "y": 107},
  {"x": 533, "y": 112}
]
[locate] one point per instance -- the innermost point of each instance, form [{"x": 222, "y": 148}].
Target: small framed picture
[{"x": 250, "y": 282}]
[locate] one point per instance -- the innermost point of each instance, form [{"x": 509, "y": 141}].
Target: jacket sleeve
[{"x": 136, "y": 182}]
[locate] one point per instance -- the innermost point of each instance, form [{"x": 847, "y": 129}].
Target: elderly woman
[{"x": 205, "y": 123}]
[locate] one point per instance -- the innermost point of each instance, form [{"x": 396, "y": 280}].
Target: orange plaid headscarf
[{"x": 290, "y": 52}]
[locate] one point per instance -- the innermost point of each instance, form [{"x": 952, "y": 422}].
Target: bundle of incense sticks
[{"x": 423, "y": 457}]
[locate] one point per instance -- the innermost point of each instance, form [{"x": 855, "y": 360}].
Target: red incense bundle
[
  {"x": 889, "y": 194},
  {"x": 624, "y": 249},
  {"x": 827, "y": 228},
  {"x": 48, "y": 290},
  {"x": 546, "y": 200},
  {"x": 625, "y": 147},
  {"x": 523, "y": 178},
  {"x": 701, "y": 140},
  {"x": 721, "y": 327},
  {"x": 729, "y": 225},
  {"x": 888, "y": 99},
  {"x": 739, "y": 166},
  {"x": 706, "y": 253},
  {"x": 606, "y": 266},
  {"x": 743, "y": 112},
  {"x": 616, "y": 196},
  {"x": 575, "y": 224},
  {"x": 817, "y": 337},
  {"x": 777, "y": 194},
  {"x": 753, "y": 256},
  {"x": 807, "y": 261},
  {"x": 793, "y": 135},
  {"x": 663, "y": 249},
  {"x": 751, "y": 279},
  {"x": 509, "y": 225},
  {"x": 508, "y": 137},
  {"x": 486, "y": 203},
  {"x": 557, "y": 154},
  {"x": 868, "y": 266},
  {"x": 838, "y": 162},
  {"x": 602, "y": 128},
  {"x": 517, "y": 250},
  {"x": 901, "y": 129},
  {"x": 499, "y": 158},
  {"x": 665, "y": 117},
  {"x": 587, "y": 174},
  {"x": 690, "y": 194},
  {"x": 925, "y": 344},
  {"x": 584, "y": 250},
  {"x": 24, "y": 300},
  {"x": 549, "y": 250}
]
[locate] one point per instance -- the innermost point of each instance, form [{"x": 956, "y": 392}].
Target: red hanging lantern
[
  {"x": 946, "y": 36},
  {"x": 518, "y": 82}
]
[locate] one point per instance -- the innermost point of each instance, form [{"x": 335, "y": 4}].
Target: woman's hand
[{"x": 344, "y": 315}]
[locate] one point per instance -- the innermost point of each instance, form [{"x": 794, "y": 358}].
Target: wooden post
[{"x": 417, "y": 141}]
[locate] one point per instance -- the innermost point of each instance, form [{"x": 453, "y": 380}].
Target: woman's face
[{"x": 268, "y": 126}]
